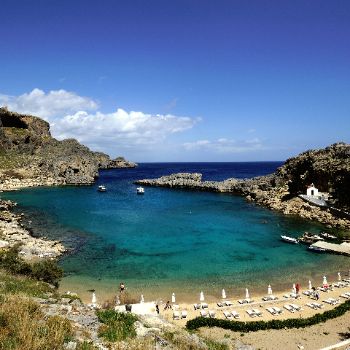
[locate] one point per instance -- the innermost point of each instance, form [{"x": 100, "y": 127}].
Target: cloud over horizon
[
  {"x": 74, "y": 116},
  {"x": 224, "y": 145}
]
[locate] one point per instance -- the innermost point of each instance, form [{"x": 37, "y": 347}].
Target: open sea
[{"x": 173, "y": 240}]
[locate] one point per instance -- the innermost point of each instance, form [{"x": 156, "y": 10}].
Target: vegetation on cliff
[{"x": 27, "y": 150}]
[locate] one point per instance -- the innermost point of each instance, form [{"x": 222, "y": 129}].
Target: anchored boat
[
  {"x": 102, "y": 188},
  {"x": 289, "y": 239},
  {"x": 140, "y": 190}
]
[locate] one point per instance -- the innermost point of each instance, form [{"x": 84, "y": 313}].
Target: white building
[{"x": 312, "y": 191}]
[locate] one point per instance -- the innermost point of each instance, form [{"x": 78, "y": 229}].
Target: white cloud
[
  {"x": 224, "y": 145},
  {"x": 121, "y": 128},
  {"x": 70, "y": 116},
  {"x": 48, "y": 105}
]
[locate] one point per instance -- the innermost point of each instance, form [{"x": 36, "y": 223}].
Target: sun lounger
[
  {"x": 296, "y": 307},
  {"x": 184, "y": 314},
  {"x": 271, "y": 310},
  {"x": 176, "y": 315},
  {"x": 197, "y": 306},
  {"x": 228, "y": 315},
  {"x": 235, "y": 314},
  {"x": 269, "y": 298},
  {"x": 220, "y": 304},
  {"x": 289, "y": 308},
  {"x": 257, "y": 312},
  {"x": 277, "y": 309},
  {"x": 245, "y": 301},
  {"x": 312, "y": 306},
  {"x": 251, "y": 313},
  {"x": 228, "y": 303},
  {"x": 204, "y": 305},
  {"x": 204, "y": 313},
  {"x": 307, "y": 292},
  {"x": 345, "y": 295},
  {"x": 318, "y": 305},
  {"x": 212, "y": 313}
]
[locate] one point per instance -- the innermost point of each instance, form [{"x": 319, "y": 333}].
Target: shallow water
[{"x": 173, "y": 240}]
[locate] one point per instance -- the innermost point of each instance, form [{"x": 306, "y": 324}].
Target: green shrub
[
  {"x": 116, "y": 325},
  {"x": 238, "y": 326},
  {"x": 11, "y": 262},
  {"x": 47, "y": 271}
]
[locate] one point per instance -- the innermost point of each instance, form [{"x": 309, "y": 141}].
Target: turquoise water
[{"x": 171, "y": 240}]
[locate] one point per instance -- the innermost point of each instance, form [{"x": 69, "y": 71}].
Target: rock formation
[
  {"x": 28, "y": 153},
  {"x": 328, "y": 169}
]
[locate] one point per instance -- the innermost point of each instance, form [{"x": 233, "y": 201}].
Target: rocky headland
[
  {"x": 328, "y": 169},
  {"x": 30, "y": 156}
]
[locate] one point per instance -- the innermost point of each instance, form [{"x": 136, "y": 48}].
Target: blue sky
[{"x": 182, "y": 80}]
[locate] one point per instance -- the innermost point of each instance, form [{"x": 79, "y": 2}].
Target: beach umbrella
[
  {"x": 246, "y": 293},
  {"x": 94, "y": 299},
  {"x": 294, "y": 290},
  {"x": 310, "y": 285},
  {"x": 325, "y": 283},
  {"x": 223, "y": 294},
  {"x": 201, "y": 296},
  {"x": 142, "y": 299},
  {"x": 173, "y": 298},
  {"x": 269, "y": 290},
  {"x": 339, "y": 276}
]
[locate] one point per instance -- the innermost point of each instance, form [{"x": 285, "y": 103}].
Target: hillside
[{"x": 28, "y": 152}]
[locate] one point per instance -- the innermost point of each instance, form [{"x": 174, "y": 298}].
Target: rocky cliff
[
  {"x": 29, "y": 153},
  {"x": 328, "y": 169}
]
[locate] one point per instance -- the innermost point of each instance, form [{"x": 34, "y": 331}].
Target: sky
[{"x": 181, "y": 80}]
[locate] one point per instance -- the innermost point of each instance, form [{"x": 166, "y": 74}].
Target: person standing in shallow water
[
  {"x": 157, "y": 309},
  {"x": 122, "y": 287}
]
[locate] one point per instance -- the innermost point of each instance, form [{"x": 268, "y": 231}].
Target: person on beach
[
  {"x": 297, "y": 288},
  {"x": 157, "y": 309},
  {"x": 167, "y": 305},
  {"x": 122, "y": 287}
]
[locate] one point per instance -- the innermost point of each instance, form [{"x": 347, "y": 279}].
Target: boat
[
  {"x": 289, "y": 239},
  {"x": 140, "y": 190},
  {"x": 327, "y": 235},
  {"x": 102, "y": 188},
  {"x": 317, "y": 249}
]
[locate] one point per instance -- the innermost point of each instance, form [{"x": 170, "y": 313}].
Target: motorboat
[
  {"x": 140, "y": 190},
  {"x": 102, "y": 188},
  {"x": 317, "y": 249},
  {"x": 289, "y": 239}
]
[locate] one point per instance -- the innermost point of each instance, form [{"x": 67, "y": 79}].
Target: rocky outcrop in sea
[{"x": 328, "y": 169}]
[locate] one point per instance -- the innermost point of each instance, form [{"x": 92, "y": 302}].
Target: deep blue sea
[{"x": 172, "y": 240}]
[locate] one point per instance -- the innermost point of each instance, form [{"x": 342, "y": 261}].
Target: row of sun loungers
[
  {"x": 346, "y": 295},
  {"x": 200, "y": 306},
  {"x": 292, "y": 307},
  {"x": 274, "y": 310},
  {"x": 209, "y": 313},
  {"x": 315, "y": 306},
  {"x": 231, "y": 314},
  {"x": 254, "y": 313},
  {"x": 332, "y": 301}
]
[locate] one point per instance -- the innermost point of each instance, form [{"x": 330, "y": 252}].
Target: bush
[
  {"x": 117, "y": 325},
  {"x": 47, "y": 271},
  {"x": 11, "y": 262},
  {"x": 238, "y": 326}
]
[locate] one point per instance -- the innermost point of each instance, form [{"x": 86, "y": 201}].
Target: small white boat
[
  {"x": 102, "y": 188},
  {"x": 289, "y": 239},
  {"x": 316, "y": 249},
  {"x": 140, "y": 190}
]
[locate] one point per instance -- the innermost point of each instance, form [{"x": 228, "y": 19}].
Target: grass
[
  {"x": 23, "y": 326},
  {"x": 11, "y": 284},
  {"x": 116, "y": 326}
]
